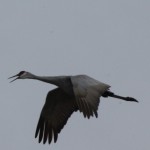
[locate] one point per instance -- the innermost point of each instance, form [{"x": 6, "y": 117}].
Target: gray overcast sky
[{"x": 108, "y": 40}]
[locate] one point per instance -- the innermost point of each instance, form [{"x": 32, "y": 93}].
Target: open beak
[{"x": 13, "y": 77}]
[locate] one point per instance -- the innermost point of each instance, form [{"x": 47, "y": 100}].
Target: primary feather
[{"x": 57, "y": 109}]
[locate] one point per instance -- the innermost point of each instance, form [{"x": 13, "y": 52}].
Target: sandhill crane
[{"x": 73, "y": 93}]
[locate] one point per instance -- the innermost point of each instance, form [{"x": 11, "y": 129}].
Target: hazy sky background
[{"x": 108, "y": 40}]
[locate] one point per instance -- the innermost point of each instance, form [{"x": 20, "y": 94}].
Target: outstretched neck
[
  {"x": 63, "y": 82},
  {"x": 56, "y": 80}
]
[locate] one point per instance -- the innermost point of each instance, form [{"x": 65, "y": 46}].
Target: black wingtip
[{"x": 55, "y": 134}]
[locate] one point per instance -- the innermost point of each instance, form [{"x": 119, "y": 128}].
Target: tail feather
[{"x": 111, "y": 94}]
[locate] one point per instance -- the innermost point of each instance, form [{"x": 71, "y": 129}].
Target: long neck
[
  {"x": 63, "y": 82},
  {"x": 56, "y": 80}
]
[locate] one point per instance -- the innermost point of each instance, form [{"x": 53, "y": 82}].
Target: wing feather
[
  {"x": 57, "y": 109},
  {"x": 87, "y": 92},
  {"x": 45, "y": 133}
]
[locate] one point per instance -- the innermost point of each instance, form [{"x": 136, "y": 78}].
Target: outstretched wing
[
  {"x": 57, "y": 109},
  {"x": 87, "y": 92}
]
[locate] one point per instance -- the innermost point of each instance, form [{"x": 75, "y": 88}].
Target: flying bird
[{"x": 73, "y": 93}]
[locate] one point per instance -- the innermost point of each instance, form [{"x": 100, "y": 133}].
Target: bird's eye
[{"x": 21, "y": 73}]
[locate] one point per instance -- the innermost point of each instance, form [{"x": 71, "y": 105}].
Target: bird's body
[{"x": 73, "y": 93}]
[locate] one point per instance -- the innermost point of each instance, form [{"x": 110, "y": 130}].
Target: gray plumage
[{"x": 73, "y": 93}]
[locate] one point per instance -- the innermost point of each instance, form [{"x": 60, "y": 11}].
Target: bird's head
[{"x": 21, "y": 75}]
